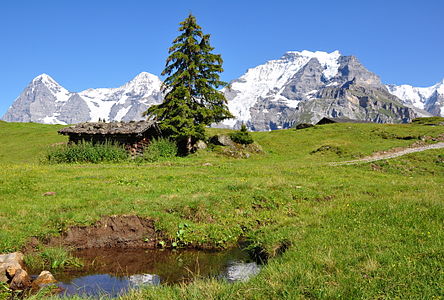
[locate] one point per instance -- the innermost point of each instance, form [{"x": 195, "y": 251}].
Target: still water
[{"x": 114, "y": 271}]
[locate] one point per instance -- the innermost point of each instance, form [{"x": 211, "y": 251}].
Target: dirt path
[{"x": 388, "y": 155}]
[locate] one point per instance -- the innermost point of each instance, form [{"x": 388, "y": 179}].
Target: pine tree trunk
[{"x": 189, "y": 145}]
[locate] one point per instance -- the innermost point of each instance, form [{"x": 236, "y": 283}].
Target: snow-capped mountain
[
  {"x": 307, "y": 86},
  {"x": 430, "y": 99},
  {"x": 270, "y": 79},
  {"x": 46, "y": 101},
  {"x": 300, "y": 87}
]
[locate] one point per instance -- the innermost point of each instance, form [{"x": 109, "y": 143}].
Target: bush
[
  {"x": 242, "y": 136},
  {"x": 160, "y": 149},
  {"x": 87, "y": 152}
]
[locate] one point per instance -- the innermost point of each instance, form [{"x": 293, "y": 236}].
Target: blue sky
[{"x": 84, "y": 44}]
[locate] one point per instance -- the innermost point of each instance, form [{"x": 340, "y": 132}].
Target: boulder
[
  {"x": 200, "y": 145},
  {"x": 222, "y": 140},
  {"x": 20, "y": 281},
  {"x": 9, "y": 265},
  {"x": 43, "y": 279}
]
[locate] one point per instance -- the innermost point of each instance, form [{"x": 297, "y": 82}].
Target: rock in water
[
  {"x": 21, "y": 280},
  {"x": 43, "y": 279}
]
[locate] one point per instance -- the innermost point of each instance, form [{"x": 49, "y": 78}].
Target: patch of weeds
[
  {"x": 327, "y": 198},
  {"x": 86, "y": 152},
  {"x": 328, "y": 149},
  {"x": 262, "y": 202},
  {"x": 262, "y": 254},
  {"x": 238, "y": 187},
  {"x": 388, "y": 135},
  {"x": 159, "y": 149},
  {"x": 431, "y": 121},
  {"x": 180, "y": 239},
  {"x": 5, "y": 291},
  {"x": 129, "y": 182},
  {"x": 197, "y": 214},
  {"x": 54, "y": 258}
]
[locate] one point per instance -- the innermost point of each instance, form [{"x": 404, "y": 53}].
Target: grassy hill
[{"x": 361, "y": 231}]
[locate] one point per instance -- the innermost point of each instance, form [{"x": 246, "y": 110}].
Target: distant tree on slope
[{"x": 192, "y": 99}]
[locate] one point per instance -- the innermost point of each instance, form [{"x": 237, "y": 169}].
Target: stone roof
[{"x": 102, "y": 128}]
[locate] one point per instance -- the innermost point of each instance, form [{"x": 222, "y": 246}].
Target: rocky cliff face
[
  {"x": 303, "y": 87},
  {"x": 46, "y": 101}
]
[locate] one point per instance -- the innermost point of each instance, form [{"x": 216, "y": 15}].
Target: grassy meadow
[{"x": 366, "y": 231}]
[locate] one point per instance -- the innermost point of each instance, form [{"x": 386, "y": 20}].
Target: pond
[{"x": 114, "y": 271}]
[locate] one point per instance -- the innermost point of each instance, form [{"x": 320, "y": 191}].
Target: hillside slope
[{"x": 353, "y": 232}]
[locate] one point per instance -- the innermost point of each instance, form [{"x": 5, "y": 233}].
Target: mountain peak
[
  {"x": 44, "y": 78},
  {"x": 314, "y": 53},
  {"x": 145, "y": 77}
]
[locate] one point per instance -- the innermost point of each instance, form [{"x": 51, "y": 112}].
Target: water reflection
[{"x": 115, "y": 271}]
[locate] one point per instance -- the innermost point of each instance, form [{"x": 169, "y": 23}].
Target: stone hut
[{"x": 135, "y": 136}]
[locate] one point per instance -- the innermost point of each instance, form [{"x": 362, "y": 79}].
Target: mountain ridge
[
  {"x": 44, "y": 100},
  {"x": 300, "y": 86}
]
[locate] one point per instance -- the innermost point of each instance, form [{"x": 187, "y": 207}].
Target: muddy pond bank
[{"x": 119, "y": 253}]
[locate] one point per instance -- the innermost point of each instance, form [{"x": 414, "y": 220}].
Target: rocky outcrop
[
  {"x": 9, "y": 264},
  {"x": 12, "y": 272},
  {"x": 353, "y": 101},
  {"x": 435, "y": 104}
]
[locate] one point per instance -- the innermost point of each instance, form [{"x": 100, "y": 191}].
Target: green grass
[
  {"x": 51, "y": 258},
  {"x": 86, "y": 152},
  {"x": 368, "y": 231},
  {"x": 429, "y": 121}
]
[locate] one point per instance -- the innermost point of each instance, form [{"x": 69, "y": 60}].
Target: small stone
[
  {"x": 49, "y": 194},
  {"x": 43, "y": 279},
  {"x": 20, "y": 281},
  {"x": 207, "y": 164}
]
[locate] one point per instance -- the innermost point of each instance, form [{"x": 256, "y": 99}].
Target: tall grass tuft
[
  {"x": 161, "y": 148},
  {"x": 54, "y": 258},
  {"x": 87, "y": 152}
]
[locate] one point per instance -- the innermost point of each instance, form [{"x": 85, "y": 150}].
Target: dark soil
[{"x": 111, "y": 232}]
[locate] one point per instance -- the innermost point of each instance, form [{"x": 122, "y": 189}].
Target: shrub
[
  {"x": 160, "y": 148},
  {"x": 242, "y": 136},
  {"x": 87, "y": 152}
]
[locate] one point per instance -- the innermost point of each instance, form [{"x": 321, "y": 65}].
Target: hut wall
[{"x": 134, "y": 144}]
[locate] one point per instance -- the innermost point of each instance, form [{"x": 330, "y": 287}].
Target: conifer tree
[{"x": 192, "y": 100}]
